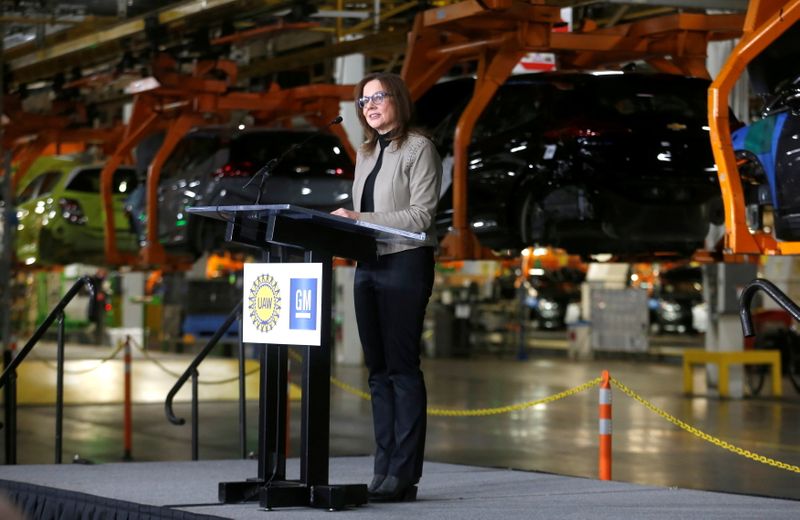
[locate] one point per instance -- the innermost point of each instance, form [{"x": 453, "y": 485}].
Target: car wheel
[
  {"x": 533, "y": 221},
  {"x": 655, "y": 328},
  {"x": 792, "y": 361},
  {"x": 754, "y": 184}
]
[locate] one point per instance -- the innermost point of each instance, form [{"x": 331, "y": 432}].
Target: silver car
[{"x": 212, "y": 166}]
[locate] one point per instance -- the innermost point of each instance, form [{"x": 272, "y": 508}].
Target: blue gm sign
[{"x": 303, "y": 305}]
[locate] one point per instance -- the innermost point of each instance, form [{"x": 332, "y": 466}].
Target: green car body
[{"x": 60, "y": 213}]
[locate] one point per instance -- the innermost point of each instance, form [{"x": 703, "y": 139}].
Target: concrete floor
[{"x": 559, "y": 437}]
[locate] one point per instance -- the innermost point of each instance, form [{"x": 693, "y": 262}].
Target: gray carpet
[{"x": 446, "y": 491}]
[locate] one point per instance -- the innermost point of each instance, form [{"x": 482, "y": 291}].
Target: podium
[{"x": 285, "y": 232}]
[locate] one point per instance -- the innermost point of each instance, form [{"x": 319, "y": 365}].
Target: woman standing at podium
[{"x": 398, "y": 176}]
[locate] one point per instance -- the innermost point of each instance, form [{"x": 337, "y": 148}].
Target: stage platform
[{"x": 188, "y": 490}]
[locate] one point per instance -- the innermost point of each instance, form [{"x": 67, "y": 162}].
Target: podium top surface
[{"x": 263, "y": 212}]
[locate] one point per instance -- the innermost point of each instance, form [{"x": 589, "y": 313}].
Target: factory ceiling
[{"x": 60, "y": 44}]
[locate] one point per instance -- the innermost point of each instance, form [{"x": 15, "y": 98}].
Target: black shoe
[
  {"x": 377, "y": 480},
  {"x": 394, "y": 489}
]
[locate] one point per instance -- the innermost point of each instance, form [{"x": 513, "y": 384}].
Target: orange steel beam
[
  {"x": 461, "y": 242},
  {"x": 27, "y": 156},
  {"x": 141, "y": 125},
  {"x": 153, "y": 252},
  {"x": 766, "y": 20},
  {"x": 184, "y": 101},
  {"x": 28, "y": 152},
  {"x": 682, "y": 37},
  {"x": 259, "y": 31},
  {"x": 497, "y": 33}
]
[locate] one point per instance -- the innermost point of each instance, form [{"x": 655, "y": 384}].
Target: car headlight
[
  {"x": 669, "y": 306},
  {"x": 72, "y": 211},
  {"x": 548, "y": 304},
  {"x": 548, "y": 308}
]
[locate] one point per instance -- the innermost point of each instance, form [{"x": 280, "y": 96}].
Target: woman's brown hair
[{"x": 404, "y": 108}]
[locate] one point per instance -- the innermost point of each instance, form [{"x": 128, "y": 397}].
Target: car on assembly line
[
  {"x": 768, "y": 156},
  {"x": 768, "y": 149},
  {"x": 549, "y": 293},
  {"x": 592, "y": 162},
  {"x": 215, "y": 165},
  {"x": 60, "y": 216},
  {"x": 673, "y": 304}
]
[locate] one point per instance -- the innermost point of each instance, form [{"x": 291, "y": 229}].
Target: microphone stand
[{"x": 266, "y": 171}]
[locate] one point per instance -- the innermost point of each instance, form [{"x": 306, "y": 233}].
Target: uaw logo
[
  {"x": 303, "y": 314},
  {"x": 264, "y": 303}
]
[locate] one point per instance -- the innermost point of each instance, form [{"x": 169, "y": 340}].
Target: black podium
[{"x": 291, "y": 233}]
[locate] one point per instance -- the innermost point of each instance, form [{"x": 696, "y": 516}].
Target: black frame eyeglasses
[{"x": 377, "y": 98}]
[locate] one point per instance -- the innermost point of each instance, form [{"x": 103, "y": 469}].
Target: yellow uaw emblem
[{"x": 264, "y": 303}]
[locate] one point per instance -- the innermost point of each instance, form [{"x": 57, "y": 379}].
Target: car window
[
  {"x": 511, "y": 106},
  {"x": 323, "y": 150},
  {"x": 124, "y": 181},
  {"x": 42, "y": 185},
  {"x": 633, "y": 99},
  {"x": 439, "y": 109},
  {"x": 87, "y": 180},
  {"x": 30, "y": 190},
  {"x": 442, "y": 105},
  {"x": 192, "y": 151},
  {"x": 49, "y": 181}
]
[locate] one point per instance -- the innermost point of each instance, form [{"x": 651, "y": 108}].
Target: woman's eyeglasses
[{"x": 377, "y": 98}]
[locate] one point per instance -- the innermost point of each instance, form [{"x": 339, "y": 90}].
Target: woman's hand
[{"x": 346, "y": 213}]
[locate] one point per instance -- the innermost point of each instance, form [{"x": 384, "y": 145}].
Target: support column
[
  {"x": 722, "y": 285},
  {"x": 348, "y": 71},
  {"x": 8, "y": 223}
]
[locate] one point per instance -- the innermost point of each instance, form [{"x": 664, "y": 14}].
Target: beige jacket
[{"x": 406, "y": 189}]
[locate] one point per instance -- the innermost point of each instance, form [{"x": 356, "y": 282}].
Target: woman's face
[{"x": 381, "y": 117}]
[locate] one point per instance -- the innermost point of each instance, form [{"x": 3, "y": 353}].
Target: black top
[{"x": 367, "y": 202}]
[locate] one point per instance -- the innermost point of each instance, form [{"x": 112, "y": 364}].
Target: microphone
[{"x": 265, "y": 171}]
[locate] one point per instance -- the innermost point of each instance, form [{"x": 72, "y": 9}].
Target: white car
[{"x": 700, "y": 317}]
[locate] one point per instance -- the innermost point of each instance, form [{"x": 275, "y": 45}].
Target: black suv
[
  {"x": 675, "y": 294},
  {"x": 604, "y": 162},
  {"x": 549, "y": 294},
  {"x": 211, "y": 165}
]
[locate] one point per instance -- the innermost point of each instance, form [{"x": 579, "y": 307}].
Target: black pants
[{"x": 391, "y": 294}]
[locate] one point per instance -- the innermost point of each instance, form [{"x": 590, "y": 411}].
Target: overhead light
[
  {"x": 142, "y": 85},
  {"x": 358, "y": 15}
]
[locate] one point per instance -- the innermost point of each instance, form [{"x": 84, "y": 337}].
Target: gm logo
[{"x": 303, "y": 313}]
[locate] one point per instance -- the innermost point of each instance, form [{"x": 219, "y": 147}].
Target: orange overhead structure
[
  {"x": 260, "y": 32},
  {"x": 27, "y": 151},
  {"x": 29, "y": 135},
  {"x": 180, "y": 102},
  {"x": 497, "y": 33},
  {"x": 766, "y": 20},
  {"x": 22, "y": 124}
]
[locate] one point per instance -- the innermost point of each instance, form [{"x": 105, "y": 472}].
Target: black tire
[
  {"x": 792, "y": 360},
  {"x": 785, "y": 341},
  {"x": 532, "y": 221},
  {"x": 756, "y": 374},
  {"x": 754, "y": 378}
]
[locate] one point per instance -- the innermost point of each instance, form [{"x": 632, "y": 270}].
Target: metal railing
[
  {"x": 192, "y": 372},
  {"x": 8, "y": 380},
  {"x": 773, "y": 292}
]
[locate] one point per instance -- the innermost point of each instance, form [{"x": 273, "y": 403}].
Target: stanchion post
[
  {"x": 128, "y": 417},
  {"x": 288, "y": 448},
  {"x": 605, "y": 427}
]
